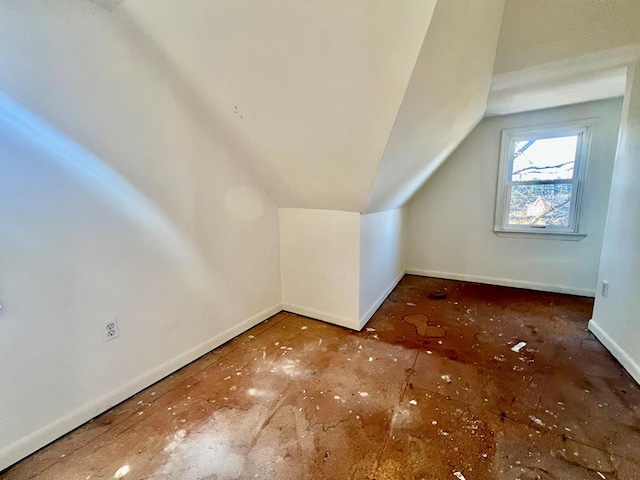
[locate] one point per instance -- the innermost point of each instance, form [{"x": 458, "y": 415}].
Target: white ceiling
[
  {"x": 445, "y": 99},
  {"x": 352, "y": 104},
  {"x": 554, "y": 53},
  {"x": 309, "y": 89},
  {"x": 588, "y": 77},
  {"x": 556, "y": 92},
  {"x": 538, "y": 32}
]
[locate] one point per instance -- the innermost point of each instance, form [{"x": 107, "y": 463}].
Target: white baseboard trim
[
  {"x": 16, "y": 451},
  {"x": 369, "y": 313},
  {"x": 629, "y": 364},
  {"x": 346, "y": 322},
  {"x": 504, "y": 282}
]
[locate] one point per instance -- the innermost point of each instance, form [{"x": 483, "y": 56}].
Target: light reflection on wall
[{"x": 17, "y": 124}]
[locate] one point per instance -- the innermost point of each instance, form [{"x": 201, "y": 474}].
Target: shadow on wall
[
  {"x": 228, "y": 137},
  {"x": 34, "y": 156}
]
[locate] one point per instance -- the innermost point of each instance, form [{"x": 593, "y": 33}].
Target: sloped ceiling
[
  {"x": 544, "y": 31},
  {"x": 352, "y": 104},
  {"x": 553, "y": 53},
  {"x": 334, "y": 104},
  {"x": 309, "y": 88},
  {"x": 445, "y": 99}
]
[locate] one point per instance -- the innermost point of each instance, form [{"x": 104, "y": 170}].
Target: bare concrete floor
[{"x": 429, "y": 390}]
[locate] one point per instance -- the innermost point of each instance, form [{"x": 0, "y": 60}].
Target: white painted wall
[
  {"x": 340, "y": 266},
  {"x": 116, "y": 201},
  {"x": 616, "y": 318},
  {"x": 319, "y": 251},
  {"x": 543, "y": 31},
  {"x": 308, "y": 89},
  {"x": 451, "y": 218},
  {"x": 382, "y": 258},
  {"x": 445, "y": 98}
]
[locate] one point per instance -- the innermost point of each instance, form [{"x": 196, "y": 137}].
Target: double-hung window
[{"x": 540, "y": 182}]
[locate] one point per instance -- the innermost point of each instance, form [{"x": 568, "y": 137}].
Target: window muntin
[{"x": 541, "y": 177}]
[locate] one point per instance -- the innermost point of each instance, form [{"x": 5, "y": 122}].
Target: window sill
[{"x": 567, "y": 237}]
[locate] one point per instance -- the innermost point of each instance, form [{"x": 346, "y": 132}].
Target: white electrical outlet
[
  {"x": 110, "y": 330},
  {"x": 605, "y": 288}
]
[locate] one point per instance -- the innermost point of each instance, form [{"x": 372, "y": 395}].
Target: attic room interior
[{"x": 293, "y": 239}]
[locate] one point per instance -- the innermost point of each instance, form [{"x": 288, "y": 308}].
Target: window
[{"x": 540, "y": 180}]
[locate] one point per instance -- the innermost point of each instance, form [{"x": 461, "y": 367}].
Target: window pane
[
  {"x": 544, "y": 159},
  {"x": 540, "y": 205}
]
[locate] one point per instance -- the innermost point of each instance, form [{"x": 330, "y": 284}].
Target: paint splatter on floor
[{"x": 487, "y": 383}]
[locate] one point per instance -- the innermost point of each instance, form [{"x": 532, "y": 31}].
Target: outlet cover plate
[{"x": 110, "y": 330}]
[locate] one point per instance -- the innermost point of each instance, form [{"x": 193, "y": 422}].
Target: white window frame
[{"x": 509, "y": 137}]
